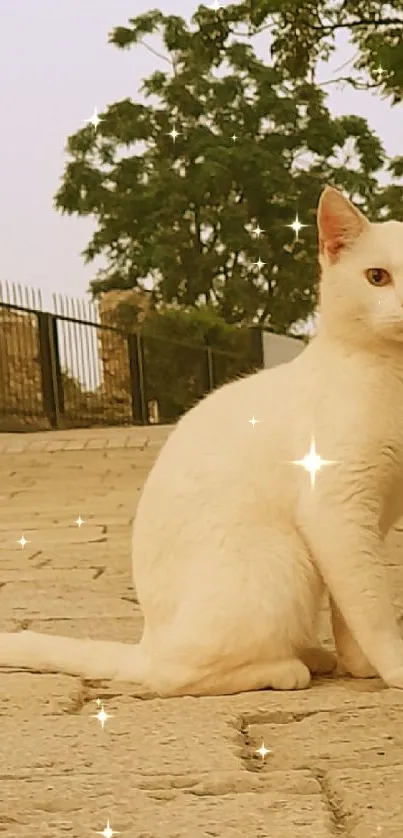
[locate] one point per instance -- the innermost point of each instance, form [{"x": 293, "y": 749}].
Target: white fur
[{"x": 233, "y": 548}]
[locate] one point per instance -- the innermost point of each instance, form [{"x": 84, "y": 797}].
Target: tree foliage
[
  {"x": 178, "y": 369},
  {"x": 303, "y": 32},
  {"x": 255, "y": 146}
]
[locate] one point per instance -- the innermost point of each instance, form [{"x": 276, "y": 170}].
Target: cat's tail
[{"x": 90, "y": 659}]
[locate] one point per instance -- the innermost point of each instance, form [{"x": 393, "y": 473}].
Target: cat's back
[
  {"x": 231, "y": 416},
  {"x": 227, "y": 445},
  {"x": 270, "y": 416}
]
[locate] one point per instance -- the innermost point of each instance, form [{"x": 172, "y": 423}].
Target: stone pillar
[
  {"x": 21, "y": 402},
  {"x": 113, "y": 346}
]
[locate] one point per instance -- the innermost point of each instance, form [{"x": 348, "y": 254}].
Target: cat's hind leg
[
  {"x": 292, "y": 674},
  {"x": 280, "y": 675},
  {"x": 247, "y": 621},
  {"x": 173, "y": 681}
]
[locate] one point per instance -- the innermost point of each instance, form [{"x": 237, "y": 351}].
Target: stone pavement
[{"x": 173, "y": 768}]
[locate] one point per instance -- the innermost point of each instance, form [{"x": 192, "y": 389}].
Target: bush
[{"x": 178, "y": 369}]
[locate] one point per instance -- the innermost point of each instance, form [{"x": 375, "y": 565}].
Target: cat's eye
[{"x": 378, "y": 276}]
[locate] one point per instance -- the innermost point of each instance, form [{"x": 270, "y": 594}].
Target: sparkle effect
[
  {"x": 257, "y": 231},
  {"x": 216, "y": 6},
  {"x": 253, "y": 422},
  {"x": 296, "y": 226},
  {"x": 23, "y": 541},
  {"x": 262, "y": 751},
  {"x": 94, "y": 120},
  {"x": 79, "y": 521},
  {"x": 312, "y": 462},
  {"x": 174, "y": 134},
  {"x": 101, "y": 715},
  {"x": 259, "y": 264},
  {"x": 108, "y": 832},
  {"x": 234, "y": 137}
]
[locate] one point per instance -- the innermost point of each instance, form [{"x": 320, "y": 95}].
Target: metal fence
[{"x": 67, "y": 369}]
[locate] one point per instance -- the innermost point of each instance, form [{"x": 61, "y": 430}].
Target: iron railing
[{"x": 67, "y": 369}]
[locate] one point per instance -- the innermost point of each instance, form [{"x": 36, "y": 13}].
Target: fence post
[
  {"x": 257, "y": 345},
  {"x": 138, "y": 391},
  {"x": 210, "y": 368},
  {"x": 52, "y": 388}
]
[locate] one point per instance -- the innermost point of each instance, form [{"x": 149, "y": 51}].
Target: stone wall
[
  {"x": 20, "y": 372},
  {"x": 113, "y": 348},
  {"x": 21, "y": 401}
]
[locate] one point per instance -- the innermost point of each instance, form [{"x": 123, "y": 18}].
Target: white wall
[{"x": 278, "y": 349}]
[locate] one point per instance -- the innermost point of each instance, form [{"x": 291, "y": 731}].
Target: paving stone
[
  {"x": 76, "y": 806},
  {"x": 55, "y": 535},
  {"x": 344, "y": 738},
  {"x": 26, "y": 601},
  {"x": 372, "y": 800}
]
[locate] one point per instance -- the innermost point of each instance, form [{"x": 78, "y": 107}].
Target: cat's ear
[{"x": 339, "y": 223}]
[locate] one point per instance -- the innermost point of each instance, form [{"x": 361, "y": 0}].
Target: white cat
[{"x": 232, "y": 546}]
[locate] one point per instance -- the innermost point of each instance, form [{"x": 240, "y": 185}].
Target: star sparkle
[
  {"x": 259, "y": 264},
  {"x": 234, "y": 137},
  {"x": 79, "y": 521},
  {"x": 94, "y": 120},
  {"x": 108, "y": 832},
  {"x": 257, "y": 231},
  {"x": 102, "y": 716},
  {"x": 216, "y": 6},
  {"x": 312, "y": 462},
  {"x": 262, "y": 751},
  {"x": 253, "y": 422},
  {"x": 174, "y": 134},
  {"x": 23, "y": 541},
  {"x": 296, "y": 226}
]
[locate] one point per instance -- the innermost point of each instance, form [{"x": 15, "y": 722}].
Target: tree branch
[
  {"x": 225, "y": 272},
  {"x": 213, "y": 242},
  {"x": 327, "y": 28},
  {"x": 251, "y": 31},
  {"x": 358, "y": 85},
  {"x": 198, "y": 229},
  {"x": 265, "y": 312},
  {"x": 173, "y": 64},
  {"x": 235, "y": 262},
  {"x": 154, "y": 52}
]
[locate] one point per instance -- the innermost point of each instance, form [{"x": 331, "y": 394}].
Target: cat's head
[{"x": 361, "y": 290}]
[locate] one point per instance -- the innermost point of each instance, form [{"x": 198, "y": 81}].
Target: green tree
[
  {"x": 179, "y": 368},
  {"x": 181, "y": 208},
  {"x": 303, "y": 32}
]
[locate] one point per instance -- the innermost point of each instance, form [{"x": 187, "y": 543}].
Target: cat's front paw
[
  {"x": 359, "y": 668},
  {"x": 394, "y": 678}
]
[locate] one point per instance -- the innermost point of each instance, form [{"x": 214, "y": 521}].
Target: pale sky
[{"x": 56, "y": 66}]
